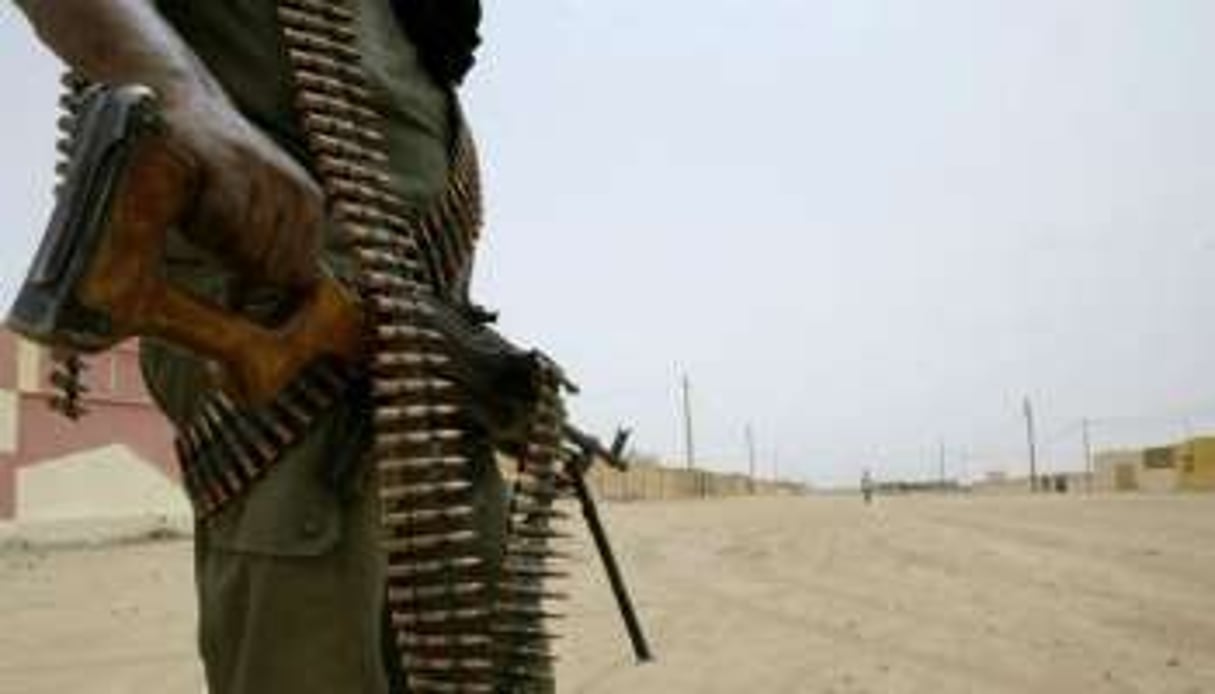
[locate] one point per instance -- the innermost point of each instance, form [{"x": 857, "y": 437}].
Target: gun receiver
[
  {"x": 590, "y": 449},
  {"x": 97, "y": 277}
]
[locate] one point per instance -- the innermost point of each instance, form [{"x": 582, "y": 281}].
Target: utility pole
[
  {"x": 750, "y": 459},
  {"x": 1088, "y": 455},
  {"x": 941, "y": 462},
  {"x": 689, "y": 445},
  {"x": 1033, "y": 445},
  {"x": 689, "y": 441}
]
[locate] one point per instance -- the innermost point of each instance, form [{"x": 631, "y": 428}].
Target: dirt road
[{"x": 995, "y": 594}]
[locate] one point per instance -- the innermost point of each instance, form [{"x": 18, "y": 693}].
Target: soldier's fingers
[
  {"x": 295, "y": 247},
  {"x": 212, "y": 225},
  {"x": 261, "y": 218}
]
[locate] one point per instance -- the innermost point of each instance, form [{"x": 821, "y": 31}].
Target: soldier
[{"x": 290, "y": 578}]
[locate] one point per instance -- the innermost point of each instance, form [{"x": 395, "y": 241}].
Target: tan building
[
  {"x": 1185, "y": 466},
  {"x": 1117, "y": 471},
  {"x": 1157, "y": 472},
  {"x": 1196, "y": 469}
]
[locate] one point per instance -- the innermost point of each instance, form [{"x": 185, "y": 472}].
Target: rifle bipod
[{"x": 582, "y": 452}]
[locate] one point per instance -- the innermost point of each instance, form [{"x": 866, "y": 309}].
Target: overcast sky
[{"x": 863, "y": 226}]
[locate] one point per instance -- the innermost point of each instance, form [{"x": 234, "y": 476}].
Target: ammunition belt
[
  {"x": 458, "y": 627},
  {"x": 227, "y": 447},
  {"x": 67, "y": 366}
]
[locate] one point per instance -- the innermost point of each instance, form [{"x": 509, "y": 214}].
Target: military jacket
[{"x": 289, "y": 576}]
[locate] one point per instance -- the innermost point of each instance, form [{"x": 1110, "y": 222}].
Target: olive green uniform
[{"x": 290, "y": 580}]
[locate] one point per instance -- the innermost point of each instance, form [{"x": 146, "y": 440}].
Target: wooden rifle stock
[{"x": 98, "y": 277}]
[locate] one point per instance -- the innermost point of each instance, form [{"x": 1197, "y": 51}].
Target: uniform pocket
[{"x": 291, "y": 512}]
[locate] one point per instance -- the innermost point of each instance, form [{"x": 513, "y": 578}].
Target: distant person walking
[{"x": 867, "y": 486}]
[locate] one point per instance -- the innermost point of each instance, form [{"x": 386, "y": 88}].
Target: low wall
[
  {"x": 652, "y": 482},
  {"x": 1048, "y": 483},
  {"x": 106, "y": 482}
]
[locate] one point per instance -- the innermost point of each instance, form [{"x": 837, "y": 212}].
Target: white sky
[{"x": 862, "y": 225}]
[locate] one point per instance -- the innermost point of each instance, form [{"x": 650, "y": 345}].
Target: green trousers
[{"x": 290, "y": 578}]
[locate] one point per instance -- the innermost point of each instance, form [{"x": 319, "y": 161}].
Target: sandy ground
[{"x": 991, "y": 594}]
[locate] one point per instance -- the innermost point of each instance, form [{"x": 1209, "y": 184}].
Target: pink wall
[
  {"x": 44, "y": 434},
  {"x": 8, "y": 484}
]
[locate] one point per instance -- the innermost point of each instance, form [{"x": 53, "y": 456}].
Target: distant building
[
  {"x": 1185, "y": 466},
  {"x": 1000, "y": 482},
  {"x": 1117, "y": 471},
  {"x": 116, "y": 461},
  {"x": 1196, "y": 464}
]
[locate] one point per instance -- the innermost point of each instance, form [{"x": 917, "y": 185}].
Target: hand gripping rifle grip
[{"x": 97, "y": 278}]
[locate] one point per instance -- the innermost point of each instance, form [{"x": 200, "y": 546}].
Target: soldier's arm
[
  {"x": 119, "y": 41},
  {"x": 256, "y": 206}
]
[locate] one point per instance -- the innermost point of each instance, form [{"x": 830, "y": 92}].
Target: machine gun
[{"x": 96, "y": 280}]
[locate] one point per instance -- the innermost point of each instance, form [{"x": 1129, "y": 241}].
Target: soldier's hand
[{"x": 256, "y": 207}]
